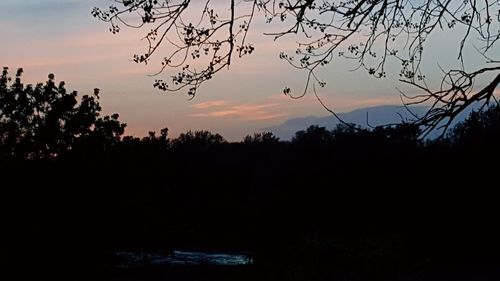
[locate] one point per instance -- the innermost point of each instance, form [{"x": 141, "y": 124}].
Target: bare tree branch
[{"x": 370, "y": 32}]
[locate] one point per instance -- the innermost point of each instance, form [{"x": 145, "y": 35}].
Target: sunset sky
[{"x": 61, "y": 37}]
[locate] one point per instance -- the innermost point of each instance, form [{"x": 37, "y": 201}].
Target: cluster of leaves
[{"x": 45, "y": 121}]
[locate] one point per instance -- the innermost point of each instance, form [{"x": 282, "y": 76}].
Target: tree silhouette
[
  {"x": 294, "y": 205},
  {"x": 313, "y": 135},
  {"x": 261, "y": 138},
  {"x": 202, "y": 38},
  {"x": 200, "y": 140},
  {"x": 46, "y": 121},
  {"x": 480, "y": 130}
]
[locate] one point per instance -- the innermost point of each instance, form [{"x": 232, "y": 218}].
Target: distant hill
[{"x": 365, "y": 117}]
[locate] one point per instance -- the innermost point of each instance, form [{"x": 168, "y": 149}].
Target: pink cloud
[
  {"x": 221, "y": 113},
  {"x": 209, "y": 104},
  {"x": 248, "y": 112},
  {"x": 248, "y": 107}
]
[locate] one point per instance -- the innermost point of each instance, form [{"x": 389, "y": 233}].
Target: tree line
[{"x": 370, "y": 201}]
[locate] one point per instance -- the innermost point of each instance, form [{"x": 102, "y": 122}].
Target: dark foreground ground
[
  {"x": 252, "y": 274},
  {"x": 183, "y": 273}
]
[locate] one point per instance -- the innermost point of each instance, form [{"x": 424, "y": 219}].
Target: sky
[{"x": 61, "y": 37}]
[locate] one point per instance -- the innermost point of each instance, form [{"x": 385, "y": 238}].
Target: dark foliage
[
  {"x": 350, "y": 203},
  {"x": 45, "y": 121}
]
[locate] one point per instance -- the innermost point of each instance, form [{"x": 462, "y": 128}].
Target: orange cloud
[
  {"x": 248, "y": 112},
  {"x": 209, "y": 104},
  {"x": 249, "y": 108},
  {"x": 221, "y": 113}
]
